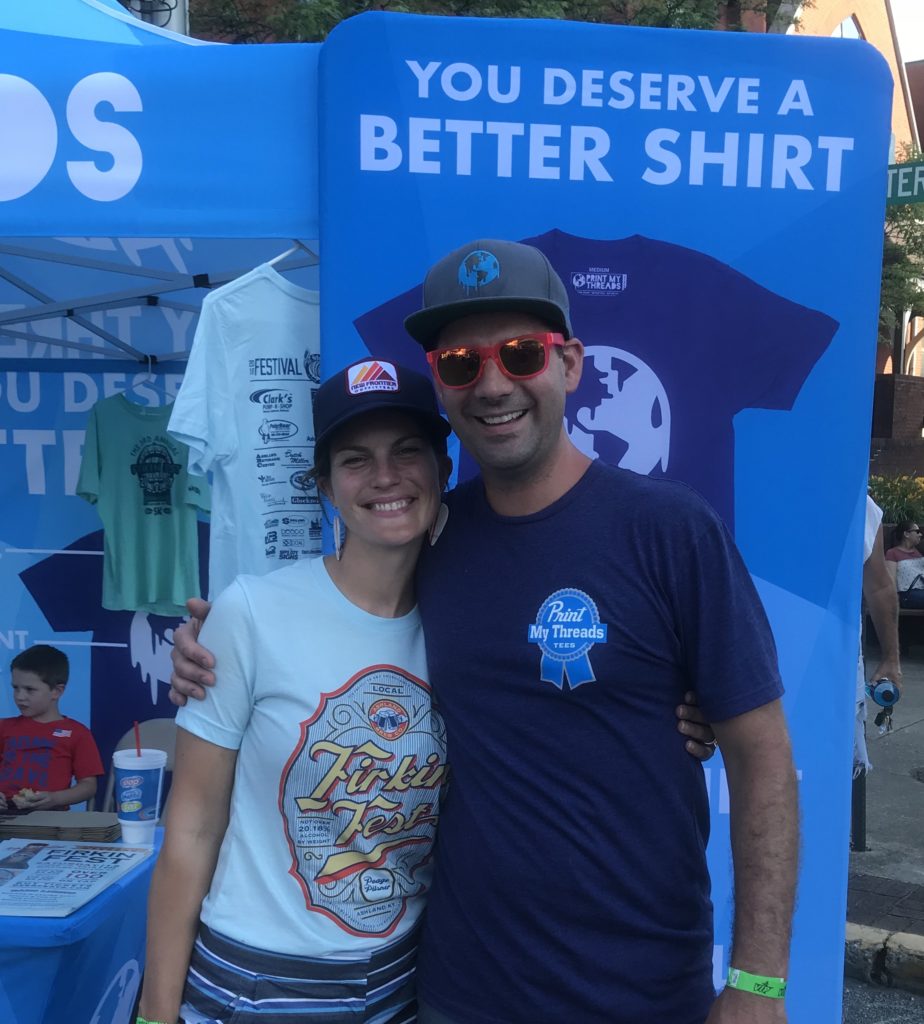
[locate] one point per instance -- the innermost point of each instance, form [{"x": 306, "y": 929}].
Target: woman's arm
[{"x": 196, "y": 820}]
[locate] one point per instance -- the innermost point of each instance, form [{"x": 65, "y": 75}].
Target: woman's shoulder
[{"x": 900, "y": 554}]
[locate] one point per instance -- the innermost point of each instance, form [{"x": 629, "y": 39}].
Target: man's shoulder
[
  {"x": 610, "y": 492},
  {"x": 644, "y": 495}
]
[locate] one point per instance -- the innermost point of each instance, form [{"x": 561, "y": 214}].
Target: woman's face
[
  {"x": 385, "y": 479},
  {"x": 913, "y": 535}
]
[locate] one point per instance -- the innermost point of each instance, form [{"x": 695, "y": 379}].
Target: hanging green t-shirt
[{"x": 135, "y": 472}]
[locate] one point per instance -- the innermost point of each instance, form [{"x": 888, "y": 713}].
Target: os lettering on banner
[{"x": 29, "y": 137}]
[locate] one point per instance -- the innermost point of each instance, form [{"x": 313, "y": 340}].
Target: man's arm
[
  {"x": 765, "y": 852},
  {"x": 882, "y": 603}
]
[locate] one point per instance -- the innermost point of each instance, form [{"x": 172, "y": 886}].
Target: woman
[
  {"x": 906, "y": 564},
  {"x": 905, "y": 540},
  {"x": 306, "y": 788},
  {"x": 325, "y": 836}
]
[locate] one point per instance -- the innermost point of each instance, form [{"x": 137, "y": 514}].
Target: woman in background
[{"x": 906, "y": 564}]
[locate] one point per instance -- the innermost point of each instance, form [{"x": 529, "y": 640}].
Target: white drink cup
[{"x": 139, "y": 782}]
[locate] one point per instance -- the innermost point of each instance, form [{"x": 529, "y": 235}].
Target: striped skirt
[{"x": 231, "y": 983}]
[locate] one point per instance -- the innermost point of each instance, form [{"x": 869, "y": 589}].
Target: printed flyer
[{"x": 53, "y": 879}]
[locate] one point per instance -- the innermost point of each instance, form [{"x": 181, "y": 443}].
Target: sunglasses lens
[
  {"x": 458, "y": 367},
  {"x": 523, "y": 357}
]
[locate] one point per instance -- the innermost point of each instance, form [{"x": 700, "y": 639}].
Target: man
[
  {"x": 568, "y": 606},
  {"x": 881, "y": 600}
]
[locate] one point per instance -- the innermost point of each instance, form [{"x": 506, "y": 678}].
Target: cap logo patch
[
  {"x": 478, "y": 269},
  {"x": 372, "y": 375}
]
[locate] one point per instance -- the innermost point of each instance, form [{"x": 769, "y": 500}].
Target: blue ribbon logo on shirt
[{"x": 566, "y": 627}]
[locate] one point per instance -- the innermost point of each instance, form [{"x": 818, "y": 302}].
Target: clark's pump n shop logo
[
  {"x": 359, "y": 797},
  {"x": 566, "y": 628}
]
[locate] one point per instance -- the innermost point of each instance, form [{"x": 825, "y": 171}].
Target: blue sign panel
[{"x": 697, "y": 193}]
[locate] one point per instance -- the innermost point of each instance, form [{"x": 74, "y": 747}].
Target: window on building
[{"x": 849, "y": 28}]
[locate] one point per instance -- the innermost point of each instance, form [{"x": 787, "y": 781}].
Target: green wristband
[
  {"x": 757, "y": 984},
  {"x": 143, "y": 1020}
]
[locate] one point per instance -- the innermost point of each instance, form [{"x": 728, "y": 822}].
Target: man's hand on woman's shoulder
[{"x": 192, "y": 663}]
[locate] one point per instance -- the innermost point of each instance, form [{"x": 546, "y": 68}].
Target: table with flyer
[
  {"x": 53, "y": 878},
  {"x": 72, "y": 923}
]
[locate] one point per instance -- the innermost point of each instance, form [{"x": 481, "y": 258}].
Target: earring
[
  {"x": 439, "y": 523},
  {"x": 338, "y": 537}
]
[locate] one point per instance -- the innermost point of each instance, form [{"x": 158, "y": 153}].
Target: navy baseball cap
[
  {"x": 373, "y": 384},
  {"x": 488, "y": 276}
]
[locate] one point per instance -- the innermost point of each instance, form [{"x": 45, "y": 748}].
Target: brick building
[{"x": 897, "y": 444}]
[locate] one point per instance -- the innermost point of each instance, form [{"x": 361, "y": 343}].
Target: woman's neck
[{"x": 378, "y": 580}]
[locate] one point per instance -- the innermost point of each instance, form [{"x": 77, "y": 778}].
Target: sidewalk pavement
[{"x": 885, "y": 899}]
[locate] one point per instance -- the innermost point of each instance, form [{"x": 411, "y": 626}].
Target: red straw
[{"x": 137, "y": 740}]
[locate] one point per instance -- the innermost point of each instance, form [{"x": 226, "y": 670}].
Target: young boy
[{"x": 41, "y": 751}]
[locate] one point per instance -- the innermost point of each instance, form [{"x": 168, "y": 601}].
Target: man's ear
[{"x": 573, "y": 358}]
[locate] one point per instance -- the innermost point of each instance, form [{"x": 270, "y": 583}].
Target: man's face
[{"x": 510, "y": 427}]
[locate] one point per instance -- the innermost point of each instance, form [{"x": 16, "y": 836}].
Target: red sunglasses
[{"x": 517, "y": 358}]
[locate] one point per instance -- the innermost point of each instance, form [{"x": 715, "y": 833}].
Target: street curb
[{"x": 890, "y": 959}]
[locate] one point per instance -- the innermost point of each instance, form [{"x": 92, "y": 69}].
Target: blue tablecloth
[{"x": 80, "y": 969}]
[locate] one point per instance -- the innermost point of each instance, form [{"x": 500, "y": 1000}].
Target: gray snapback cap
[{"x": 486, "y": 276}]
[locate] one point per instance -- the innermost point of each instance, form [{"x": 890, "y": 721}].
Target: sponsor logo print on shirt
[
  {"x": 301, "y": 480},
  {"x": 388, "y": 719},
  {"x": 359, "y": 798},
  {"x": 566, "y": 628},
  {"x": 272, "y": 400},
  {"x": 313, "y": 366},
  {"x": 372, "y": 375},
  {"x": 276, "y": 430},
  {"x": 599, "y": 282}
]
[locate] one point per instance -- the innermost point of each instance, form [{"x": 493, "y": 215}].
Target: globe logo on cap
[{"x": 478, "y": 269}]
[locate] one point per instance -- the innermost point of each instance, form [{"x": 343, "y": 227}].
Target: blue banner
[
  {"x": 698, "y": 193},
  {"x": 109, "y": 139}
]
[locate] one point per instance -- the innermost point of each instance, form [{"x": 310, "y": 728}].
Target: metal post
[
  {"x": 858, "y": 814},
  {"x": 174, "y": 16}
]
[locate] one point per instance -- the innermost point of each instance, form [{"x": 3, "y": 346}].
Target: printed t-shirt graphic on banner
[
  {"x": 136, "y": 475},
  {"x": 245, "y": 411},
  {"x": 45, "y": 756},
  {"x": 130, "y": 653},
  {"x": 676, "y": 344}
]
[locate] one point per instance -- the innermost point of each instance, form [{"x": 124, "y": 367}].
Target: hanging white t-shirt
[
  {"x": 244, "y": 409},
  {"x": 341, "y": 759}
]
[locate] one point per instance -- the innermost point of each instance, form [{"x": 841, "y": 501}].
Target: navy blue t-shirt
[
  {"x": 677, "y": 343},
  {"x": 571, "y": 880}
]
